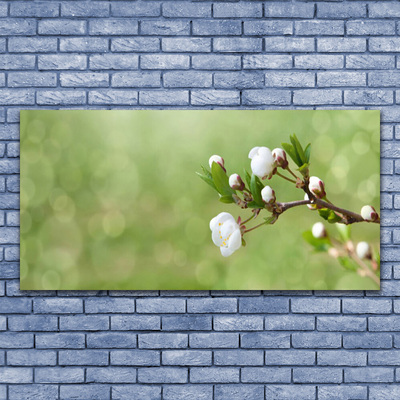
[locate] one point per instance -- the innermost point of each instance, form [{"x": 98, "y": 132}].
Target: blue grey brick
[
  {"x": 386, "y": 323},
  {"x": 9, "y": 271},
  {"x": 8, "y": 235},
  {"x": 15, "y": 305},
  {"x": 384, "y": 392},
  {"x": 3, "y": 323},
  {"x": 186, "y": 357},
  {"x": 260, "y": 340},
  {"x": 266, "y": 96},
  {"x": 163, "y": 340},
  {"x": 32, "y": 323},
  {"x": 214, "y": 340},
  {"x": 319, "y": 61},
  {"x": 368, "y": 97},
  {"x": 238, "y": 323},
  {"x": 269, "y": 27},
  {"x": 185, "y": 79},
  {"x": 138, "y": 9},
  {"x": 319, "y": 27},
  {"x": 135, "y": 322},
  {"x": 289, "y": 392},
  {"x": 62, "y": 61},
  {"x": 187, "y": 323},
  {"x": 61, "y": 27},
  {"x": 113, "y": 61},
  {"x": 113, "y": 27},
  {"x": 342, "y": 358},
  {"x": 13, "y": 184},
  {"x": 93, "y": 391},
  {"x": 290, "y": 357},
  {"x": 341, "y": 45},
  {"x": 13, "y": 151},
  {"x": 343, "y": 392},
  {"x": 16, "y": 375},
  {"x": 367, "y": 341},
  {"x": 109, "y": 96},
  {"x": 61, "y": 97},
  {"x": 214, "y": 62},
  {"x": 325, "y": 306},
  {"x": 238, "y": 10},
  {"x": 165, "y": 28},
  {"x": 83, "y": 357},
  {"x": 319, "y": 340},
  {"x": 32, "y": 391},
  {"x": 180, "y": 9},
  {"x": 317, "y": 375},
  {"x": 384, "y": 357},
  {"x": 57, "y": 306},
  {"x": 60, "y": 375},
  {"x": 214, "y": 375},
  {"x": 289, "y": 323},
  {"x": 368, "y": 374},
  {"x": 138, "y": 44},
  {"x": 19, "y": 26},
  {"x": 366, "y": 306},
  {"x": 365, "y": 27},
  {"x": 32, "y": 45},
  {"x": 111, "y": 375},
  {"x": 17, "y": 61},
  {"x": 370, "y": 61},
  {"x": 164, "y": 61},
  {"x": 288, "y": 10},
  {"x": 16, "y": 340},
  {"x": 237, "y": 45},
  {"x": 109, "y": 306},
  {"x": 238, "y": 357},
  {"x": 85, "y": 9},
  {"x": 34, "y": 9},
  {"x": 136, "y": 392},
  {"x": 3, "y": 9},
  {"x": 162, "y": 375},
  {"x": 111, "y": 340},
  {"x": 215, "y": 97},
  {"x": 193, "y": 45},
  {"x": 136, "y": 79},
  {"x": 9, "y": 201},
  {"x": 342, "y": 78},
  {"x": 83, "y": 79},
  {"x": 264, "y": 305},
  {"x": 384, "y": 10},
  {"x": 31, "y": 357},
  {"x": 212, "y": 305},
  {"x": 341, "y": 323},
  {"x": 217, "y": 27},
  {"x": 239, "y": 392},
  {"x": 345, "y": 10},
  {"x": 317, "y": 97},
  {"x": 179, "y": 392},
  {"x": 84, "y": 323},
  {"x": 87, "y": 45},
  {"x": 387, "y": 44},
  {"x": 285, "y": 45},
  {"x": 135, "y": 357},
  {"x": 162, "y": 98},
  {"x": 262, "y": 375},
  {"x": 289, "y": 79},
  {"x": 384, "y": 78}
]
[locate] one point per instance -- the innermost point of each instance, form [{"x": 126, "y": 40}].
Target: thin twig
[{"x": 285, "y": 177}]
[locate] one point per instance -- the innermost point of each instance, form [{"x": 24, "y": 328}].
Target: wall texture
[{"x": 199, "y": 345}]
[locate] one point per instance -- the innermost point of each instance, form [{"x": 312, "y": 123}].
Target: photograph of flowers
[{"x": 200, "y": 200}]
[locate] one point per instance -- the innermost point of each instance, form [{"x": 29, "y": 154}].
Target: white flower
[
  {"x": 236, "y": 182},
  {"x": 310, "y": 206},
  {"x": 262, "y": 162},
  {"x": 363, "y": 250},
  {"x": 280, "y": 157},
  {"x": 216, "y": 159},
  {"x": 226, "y": 233},
  {"x": 369, "y": 213},
  {"x": 318, "y": 230},
  {"x": 268, "y": 195},
  {"x": 317, "y": 187}
]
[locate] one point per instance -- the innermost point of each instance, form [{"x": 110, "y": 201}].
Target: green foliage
[
  {"x": 206, "y": 179},
  {"x": 344, "y": 231},
  {"x": 256, "y": 186},
  {"x": 348, "y": 263},
  {"x": 247, "y": 178},
  {"x": 226, "y": 199},
  {"x": 319, "y": 244},
  {"x": 221, "y": 180},
  {"x": 329, "y": 215},
  {"x": 296, "y": 152}
]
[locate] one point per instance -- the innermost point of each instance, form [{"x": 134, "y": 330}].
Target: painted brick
[
  {"x": 342, "y": 358},
  {"x": 113, "y": 27},
  {"x": 261, "y": 340},
  {"x": 111, "y": 340},
  {"x": 384, "y": 44},
  {"x": 384, "y": 357},
  {"x": 366, "y": 306},
  {"x": 289, "y": 323},
  {"x": 214, "y": 375},
  {"x": 129, "y": 9},
  {"x": 135, "y": 357},
  {"x": 342, "y": 392},
  {"x": 238, "y": 357},
  {"x": 31, "y": 357},
  {"x": 237, "y": 45},
  {"x": 346, "y": 10},
  {"x": 185, "y": 79},
  {"x": 289, "y": 79},
  {"x": 113, "y": 61},
  {"x": 242, "y": 392},
  {"x": 179, "y": 98},
  {"x": 325, "y": 306},
  {"x": 263, "y": 305},
  {"x": 165, "y": 28},
  {"x": 100, "y": 306},
  {"x": 16, "y": 340},
  {"x": 261, "y": 375},
  {"x": 368, "y": 97},
  {"x": 32, "y": 391},
  {"x": 19, "y": 26},
  {"x": 162, "y": 375},
  {"x": 193, "y": 45},
  {"x": 61, "y": 27},
  {"x": 241, "y": 323},
  {"x": 83, "y": 357},
  {"x": 257, "y": 28},
  {"x": 135, "y": 44},
  {"x": 212, "y": 62},
  {"x": 164, "y": 61},
  {"x": 317, "y": 375},
  {"x": 368, "y": 374},
  {"x": 232, "y": 10},
  {"x": 125, "y": 97},
  {"x": 216, "y": 27},
  {"x": 285, "y": 45},
  {"x": 163, "y": 340},
  {"x": 186, "y": 357},
  {"x": 367, "y": 341},
  {"x": 36, "y": 9},
  {"x": 16, "y": 375},
  {"x": 83, "y": 79},
  {"x": 88, "y": 45},
  {"x": 179, "y": 392},
  {"x": 214, "y": 340},
  {"x": 288, "y": 10},
  {"x": 110, "y": 375},
  {"x": 32, "y": 323},
  {"x": 342, "y": 78},
  {"x": 316, "y": 340},
  {"x": 371, "y": 61},
  {"x": 60, "y": 375},
  {"x": 179, "y": 9},
  {"x": 86, "y": 9},
  {"x": 62, "y": 61},
  {"x": 135, "y": 322},
  {"x": 215, "y": 97},
  {"x": 187, "y": 323},
  {"x": 84, "y": 323},
  {"x": 386, "y": 323},
  {"x": 17, "y": 61},
  {"x": 96, "y": 391},
  {"x": 341, "y": 323},
  {"x": 262, "y": 96},
  {"x": 384, "y": 10},
  {"x": 136, "y": 392},
  {"x": 319, "y": 61},
  {"x": 57, "y": 306},
  {"x": 365, "y": 27},
  {"x": 341, "y": 45},
  {"x": 319, "y": 27},
  {"x": 290, "y": 357},
  {"x": 32, "y": 45}
]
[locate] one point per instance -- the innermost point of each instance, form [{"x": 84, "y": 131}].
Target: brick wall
[{"x": 199, "y": 345}]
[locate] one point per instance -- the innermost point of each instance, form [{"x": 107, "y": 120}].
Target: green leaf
[
  {"x": 307, "y": 152},
  {"x": 344, "y": 232},
  {"x": 304, "y": 169},
  {"x": 298, "y": 148},
  {"x": 207, "y": 173},
  {"x": 253, "y": 204},
  {"x": 221, "y": 180},
  {"x": 329, "y": 215},
  {"x": 207, "y": 180},
  {"x": 321, "y": 244},
  {"x": 271, "y": 219},
  {"x": 226, "y": 199},
  {"x": 347, "y": 263},
  {"x": 256, "y": 186},
  {"x": 247, "y": 178},
  {"x": 292, "y": 153}
]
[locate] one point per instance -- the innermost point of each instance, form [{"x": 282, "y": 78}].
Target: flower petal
[
  {"x": 220, "y": 218},
  {"x": 253, "y": 152},
  {"x": 235, "y": 241}
]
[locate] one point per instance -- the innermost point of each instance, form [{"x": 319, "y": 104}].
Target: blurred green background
[{"x": 110, "y": 199}]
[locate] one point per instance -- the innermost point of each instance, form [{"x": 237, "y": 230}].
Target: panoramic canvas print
[{"x": 200, "y": 200}]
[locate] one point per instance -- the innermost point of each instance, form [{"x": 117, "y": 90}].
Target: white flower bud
[
  {"x": 262, "y": 162},
  {"x": 310, "y": 206},
  {"x": 216, "y": 159},
  {"x": 226, "y": 233},
  {"x": 317, "y": 187},
  {"x": 280, "y": 157},
  {"x": 318, "y": 230},
  {"x": 268, "y": 195},
  {"x": 363, "y": 250},
  {"x": 369, "y": 213},
  {"x": 236, "y": 182}
]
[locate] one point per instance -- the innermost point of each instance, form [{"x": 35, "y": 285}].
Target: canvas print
[{"x": 200, "y": 200}]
